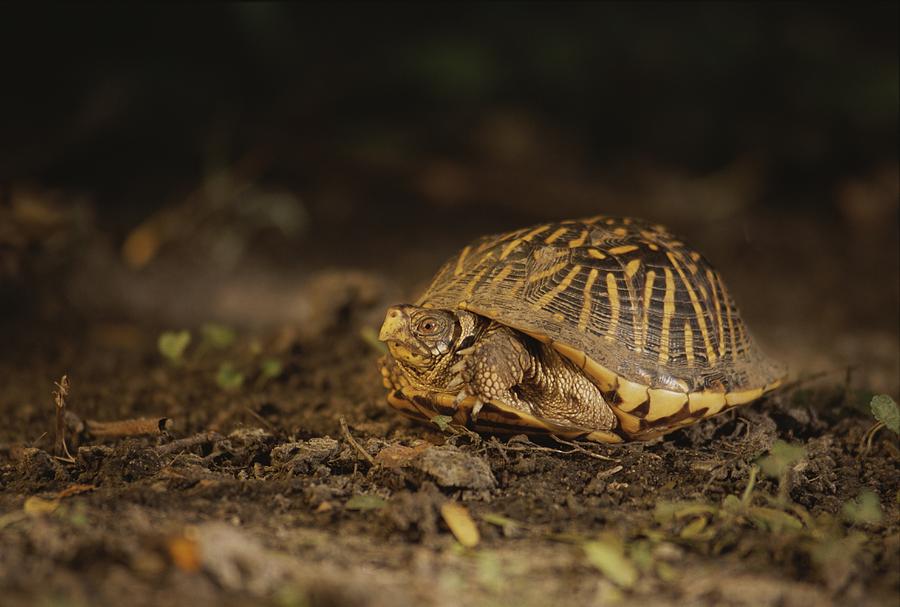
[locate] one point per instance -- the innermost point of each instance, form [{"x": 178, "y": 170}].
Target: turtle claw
[
  {"x": 476, "y": 409},
  {"x": 466, "y": 351},
  {"x": 463, "y": 395},
  {"x": 458, "y": 367},
  {"x": 455, "y": 383}
]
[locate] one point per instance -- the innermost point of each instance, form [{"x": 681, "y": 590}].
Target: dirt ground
[
  {"x": 254, "y": 493},
  {"x": 205, "y": 213}
]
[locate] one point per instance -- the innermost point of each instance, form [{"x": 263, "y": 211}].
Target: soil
[
  {"x": 252, "y": 492},
  {"x": 205, "y": 214}
]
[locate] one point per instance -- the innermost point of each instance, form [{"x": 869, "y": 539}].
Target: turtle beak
[
  {"x": 396, "y": 325},
  {"x": 395, "y": 333}
]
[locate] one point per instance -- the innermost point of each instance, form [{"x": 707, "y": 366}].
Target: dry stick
[
  {"x": 533, "y": 447},
  {"x": 581, "y": 449},
  {"x": 261, "y": 420},
  {"x": 191, "y": 441},
  {"x": 128, "y": 427},
  {"x": 59, "y": 396},
  {"x": 352, "y": 441},
  {"x": 808, "y": 379}
]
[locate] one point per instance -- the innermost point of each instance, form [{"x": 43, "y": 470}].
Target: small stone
[{"x": 448, "y": 466}]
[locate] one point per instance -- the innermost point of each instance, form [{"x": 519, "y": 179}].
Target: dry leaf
[
  {"x": 39, "y": 505},
  {"x": 461, "y": 524},
  {"x": 397, "y": 456},
  {"x": 184, "y": 553}
]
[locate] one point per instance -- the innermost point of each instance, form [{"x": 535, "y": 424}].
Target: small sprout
[
  {"x": 781, "y": 458},
  {"x": 217, "y": 336},
  {"x": 270, "y": 368},
  {"x": 668, "y": 511},
  {"x": 461, "y": 524},
  {"x": 229, "y": 378},
  {"x": 694, "y": 529},
  {"x": 508, "y": 525},
  {"x": 641, "y": 554},
  {"x": 442, "y": 422},
  {"x": 773, "y": 520},
  {"x": 732, "y": 504},
  {"x": 666, "y": 572},
  {"x": 365, "y": 502},
  {"x": 836, "y": 557},
  {"x": 747, "y": 496},
  {"x": 490, "y": 572},
  {"x": 369, "y": 336},
  {"x": 608, "y": 556},
  {"x": 172, "y": 344},
  {"x": 885, "y": 411},
  {"x": 779, "y": 463},
  {"x": 864, "y": 510}
]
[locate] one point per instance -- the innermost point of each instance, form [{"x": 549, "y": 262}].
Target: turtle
[{"x": 609, "y": 329}]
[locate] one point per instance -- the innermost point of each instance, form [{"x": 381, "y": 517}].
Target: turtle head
[{"x": 424, "y": 337}]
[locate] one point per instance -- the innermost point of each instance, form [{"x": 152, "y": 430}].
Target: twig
[
  {"x": 352, "y": 441},
  {"x": 530, "y": 446},
  {"x": 128, "y": 427},
  {"x": 581, "y": 449},
  {"x": 808, "y": 379},
  {"x": 191, "y": 441},
  {"x": 262, "y": 420},
  {"x": 609, "y": 472},
  {"x": 865, "y": 445},
  {"x": 515, "y": 446},
  {"x": 59, "y": 396}
]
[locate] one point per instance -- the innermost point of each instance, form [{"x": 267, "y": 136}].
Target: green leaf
[
  {"x": 507, "y": 524},
  {"x": 865, "y": 509},
  {"x": 609, "y": 557},
  {"x": 885, "y": 410},
  {"x": 772, "y": 519},
  {"x": 781, "y": 458},
  {"x": 270, "y": 368},
  {"x": 217, "y": 336},
  {"x": 369, "y": 336},
  {"x": 172, "y": 344},
  {"x": 365, "y": 502},
  {"x": 667, "y": 511},
  {"x": 732, "y": 504},
  {"x": 229, "y": 378},
  {"x": 641, "y": 554},
  {"x": 694, "y": 529},
  {"x": 442, "y": 421},
  {"x": 833, "y": 554}
]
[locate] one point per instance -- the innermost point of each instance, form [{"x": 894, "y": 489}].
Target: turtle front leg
[{"x": 491, "y": 368}]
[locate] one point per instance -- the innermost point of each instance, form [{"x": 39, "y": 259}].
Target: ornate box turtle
[{"x": 605, "y": 328}]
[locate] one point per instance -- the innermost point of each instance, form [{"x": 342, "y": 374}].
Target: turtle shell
[{"x": 648, "y": 319}]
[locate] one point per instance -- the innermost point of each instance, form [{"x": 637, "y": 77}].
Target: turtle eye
[{"x": 429, "y": 325}]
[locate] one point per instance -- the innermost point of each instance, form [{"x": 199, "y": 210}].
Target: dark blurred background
[{"x": 180, "y": 161}]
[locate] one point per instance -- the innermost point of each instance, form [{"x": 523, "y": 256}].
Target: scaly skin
[{"x": 496, "y": 364}]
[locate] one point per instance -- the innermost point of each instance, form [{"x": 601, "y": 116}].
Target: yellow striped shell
[{"x": 644, "y": 316}]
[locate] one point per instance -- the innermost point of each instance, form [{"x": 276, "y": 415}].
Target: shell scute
[{"x": 647, "y": 318}]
